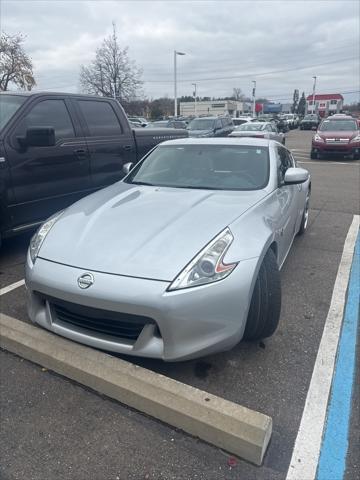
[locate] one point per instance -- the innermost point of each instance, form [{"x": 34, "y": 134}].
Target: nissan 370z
[{"x": 178, "y": 260}]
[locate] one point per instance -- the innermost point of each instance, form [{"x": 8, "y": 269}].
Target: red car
[{"x": 339, "y": 134}]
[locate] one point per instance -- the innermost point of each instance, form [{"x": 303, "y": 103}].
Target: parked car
[
  {"x": 210, "y": 127},
  {"x": 56, "y": 148},
  {"x": 281, "y": 124},
  {"x": 259, "y": 130},
  {"x": 240, "y": 120},
  {"x": 291, "y": 120},
  {"x": 167, "y": 124},
  {"x": 122, "y": 271},
  {"x": 338, "y": 135},
  {"x": 138, "y": 120},
  {"x": 310, "y": 122}
]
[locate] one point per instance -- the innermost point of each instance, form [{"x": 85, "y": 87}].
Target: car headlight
[
  {"x": 317, "y": 138},
  {"x": 355, "y": 139},
  {"x": 207, "y": 266},
  {"x": 38, "y": 238}
]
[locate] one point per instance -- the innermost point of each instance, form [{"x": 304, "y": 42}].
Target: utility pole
[
  {"x": 253, "y": 94},
  {"x": 314, "y": 88},
  {"x": 175, "y": 82},
  {"x": 194, "y": 85}
]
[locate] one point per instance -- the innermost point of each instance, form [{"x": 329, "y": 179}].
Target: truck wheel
[{"x": 264, "y": 311}]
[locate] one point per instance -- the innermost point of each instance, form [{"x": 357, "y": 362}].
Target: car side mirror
[
  {"x": 295, "y": 176},
  {"x": 127, "y": 167},
  {"x": 39, "y": 137}
]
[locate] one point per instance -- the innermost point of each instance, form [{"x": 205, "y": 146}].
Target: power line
[{"x": 253, "y": 75}]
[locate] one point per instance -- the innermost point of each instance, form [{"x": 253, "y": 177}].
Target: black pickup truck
[{"x": 56, "y": 148}]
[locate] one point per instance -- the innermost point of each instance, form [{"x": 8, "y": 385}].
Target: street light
[
  {"x": 253, "y": 92},
  {"x": 175, "y": 86},
  {"x": 314, "y": 87},
  {"x": 194, "y": 85}
]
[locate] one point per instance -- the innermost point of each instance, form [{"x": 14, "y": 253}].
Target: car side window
[
  {"x": 48, "y": 113},
  {"x": 284, "y": 161},
  {"x": 218, "y": 124},
  {"x": 274, "y": 129},
  {"x": 100, "y": 118}
]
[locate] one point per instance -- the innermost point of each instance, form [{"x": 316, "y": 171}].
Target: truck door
[
  {"x": 48, "y": 178},
  {"x": 110, "y": 147}
]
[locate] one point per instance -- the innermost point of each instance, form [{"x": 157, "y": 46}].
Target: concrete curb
[{"x": 239, "y": 430}]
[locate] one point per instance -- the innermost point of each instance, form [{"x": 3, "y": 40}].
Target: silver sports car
[{"x": 181, "y": 258}]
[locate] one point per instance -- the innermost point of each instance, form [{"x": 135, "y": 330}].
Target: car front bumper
[
  {"x": 184, "y": 324},
  {"x": 336, "y": 148}
]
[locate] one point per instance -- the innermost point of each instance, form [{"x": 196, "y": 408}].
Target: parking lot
[{"x": 54, "y": 428}]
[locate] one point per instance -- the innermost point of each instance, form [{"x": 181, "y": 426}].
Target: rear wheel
[
  {"x": 305, "y": 217},
  {"x": 264, "y": 312}
]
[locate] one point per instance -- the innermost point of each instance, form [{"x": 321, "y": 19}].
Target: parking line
[
  {"x": 305, "y": 457},
  {"x": 11, "y": 287},
  {"x": 334, "y": 446}
]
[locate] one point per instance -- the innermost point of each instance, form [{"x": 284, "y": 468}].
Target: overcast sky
[{"x": 227, "y": 43}]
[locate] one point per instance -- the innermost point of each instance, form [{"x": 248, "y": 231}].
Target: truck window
[
  {"x": 48, "y": 113},
  {"x": 100, "y": 118}
]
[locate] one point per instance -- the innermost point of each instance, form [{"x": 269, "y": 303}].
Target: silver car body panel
[{"x": 134, "y": 240}]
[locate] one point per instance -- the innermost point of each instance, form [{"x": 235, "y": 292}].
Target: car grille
[{"x": 115, "y": 324}]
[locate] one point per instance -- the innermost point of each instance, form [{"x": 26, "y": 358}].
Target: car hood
[
  {"x": 142, "y": 231},
  {"x": 338, "y": 134}
]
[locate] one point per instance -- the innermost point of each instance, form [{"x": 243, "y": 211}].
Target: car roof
[
  {"x": 41, "y": 93},
  {"x": 257, "y": 142}
]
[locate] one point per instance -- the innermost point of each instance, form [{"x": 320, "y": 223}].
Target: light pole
[
  {"x": 194, "y": 85},
  {"x": 314, "y": 87},
  {"x": 175, "y": 80},
  {"x": 253, "y": 92}
]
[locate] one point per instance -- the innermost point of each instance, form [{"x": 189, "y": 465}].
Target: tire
[
  {"x": 283, "y": 141},
  {"x": 265, "y": 306},
  {"x": 305, "y": 217},
  {"x": 313, "y": 155}
]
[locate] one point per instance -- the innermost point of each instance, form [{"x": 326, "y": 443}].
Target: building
[
  {"x": 214, "y": 108},
  {"x": 326, "y": 104}
]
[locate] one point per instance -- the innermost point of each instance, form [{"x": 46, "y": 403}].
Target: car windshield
[
  {"x": 8, "y": 106},
  {"x": 210, "y": 167},
  {"x": 201, "y": 124},
  {"x": 338, "y": 126},
  {"x": 251, "y": 127}
]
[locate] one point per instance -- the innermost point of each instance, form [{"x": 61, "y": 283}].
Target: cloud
[{"x": 221, "y": 39}]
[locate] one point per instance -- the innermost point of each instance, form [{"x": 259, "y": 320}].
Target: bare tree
[
  {"x": 15, "y": 66},
  {"x": 111, "y": 73},
  {"x": 238, "y": 95}
]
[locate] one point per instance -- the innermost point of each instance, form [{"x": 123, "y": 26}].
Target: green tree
[
  {"x": 15, "y": 66},
  {"x": 302, "y": 105},
  {"x": 295, "y": 101}
]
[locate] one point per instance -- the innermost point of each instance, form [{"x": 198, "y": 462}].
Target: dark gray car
[{"x": 210, "y": 127}]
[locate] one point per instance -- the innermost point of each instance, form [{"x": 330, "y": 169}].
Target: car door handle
[
  {"x": 127, "y": 147},
  {"x": 80, "y": 151}
]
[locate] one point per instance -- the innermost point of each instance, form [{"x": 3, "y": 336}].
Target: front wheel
[
  {"x": 264, "y": 311},
  {"x": 283, "y": 141}
]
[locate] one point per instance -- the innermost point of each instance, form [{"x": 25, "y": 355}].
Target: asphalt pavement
[{"x": 52, "y": 428}]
